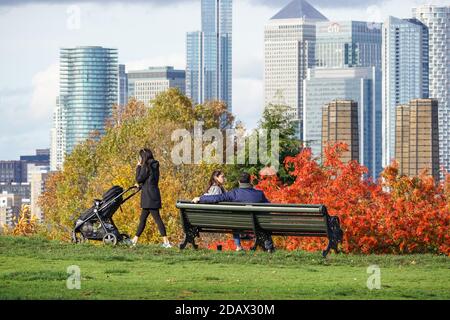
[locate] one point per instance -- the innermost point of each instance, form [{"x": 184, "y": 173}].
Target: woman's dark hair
[
  {"x": 146, "y": 156},
  {"x": 212, "y": 180}
]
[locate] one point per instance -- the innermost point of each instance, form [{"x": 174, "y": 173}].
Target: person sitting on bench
[{"x": 245, "y": 194}]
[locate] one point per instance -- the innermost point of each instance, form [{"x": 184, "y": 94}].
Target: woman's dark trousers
[{"x": 156, "y": 216}]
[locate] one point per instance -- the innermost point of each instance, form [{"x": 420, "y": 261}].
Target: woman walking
[{"x": 147, "y": 177}]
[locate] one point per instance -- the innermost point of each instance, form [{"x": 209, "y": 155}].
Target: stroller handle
[
  {"x": 104, "y": 205},
  {"x": 133, "y": 194}
]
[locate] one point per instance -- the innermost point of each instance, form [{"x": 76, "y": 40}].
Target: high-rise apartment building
[
  {"x": 209, "y": 55},
  {"x": 144, "y": 85},
  {"x": 340, "y": 124},
  {"x": 88, "y": 91},
  {"x": 405, "y": 73},
  {"x": 417, "y": 137},
  {"x": 437, "y": 19},
  {"x": 37, "y": 187},
  {"x": 289, "y": 43},
  {"x": 57, "y": 138}
]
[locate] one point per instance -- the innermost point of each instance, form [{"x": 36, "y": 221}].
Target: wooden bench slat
[{"x": 249, "y": 207}]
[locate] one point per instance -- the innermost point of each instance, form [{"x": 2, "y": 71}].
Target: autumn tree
[{"x": 97, "y": 164}]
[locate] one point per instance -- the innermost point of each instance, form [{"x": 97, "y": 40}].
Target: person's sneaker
[
  {"x": 166, "y": 245},
  {"x": 239, "y": 249}
]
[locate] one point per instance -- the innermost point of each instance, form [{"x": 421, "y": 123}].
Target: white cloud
[
  {"x": 45, "y": 89},
  {"x": 248, "y": 101}
]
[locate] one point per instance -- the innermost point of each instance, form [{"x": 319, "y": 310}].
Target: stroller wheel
[{"x": 110, "y": 238}]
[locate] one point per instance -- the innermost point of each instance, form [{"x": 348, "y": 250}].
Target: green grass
[{"x": 35, "y": 268}]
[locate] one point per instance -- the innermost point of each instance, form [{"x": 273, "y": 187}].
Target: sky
[{"x": 146, "y": 33}]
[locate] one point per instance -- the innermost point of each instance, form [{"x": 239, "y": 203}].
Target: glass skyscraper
[
  {"x": 88, "y": 91},
  {"x": 209, "y": 55},
  {"x": 348, "y": 44},
  {"x": 347, "y": 67},
  {"x": 437, "y": 19},
  {"x": 362, "y": 85},
  {"x": 405, "y": 73},
  {"x": 122, "y": 94}
]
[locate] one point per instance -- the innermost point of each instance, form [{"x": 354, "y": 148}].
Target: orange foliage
[{"x": 396, "y": 214}]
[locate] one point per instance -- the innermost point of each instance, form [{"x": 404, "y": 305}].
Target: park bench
[{"x": 261, "y": 219}]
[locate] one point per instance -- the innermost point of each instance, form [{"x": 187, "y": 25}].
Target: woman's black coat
[{"x": 148, "y": 177}]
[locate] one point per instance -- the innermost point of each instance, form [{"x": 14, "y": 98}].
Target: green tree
[{"x": 274, "y": 117}]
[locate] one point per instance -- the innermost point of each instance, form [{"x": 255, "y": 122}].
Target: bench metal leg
[
  {"x": 191, "y": 233},
  {"x": 335, "y": 235},
  {"x": 263, "y": 240}
]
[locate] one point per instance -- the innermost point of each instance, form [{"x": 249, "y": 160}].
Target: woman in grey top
[{"x": 215, "y": 186}]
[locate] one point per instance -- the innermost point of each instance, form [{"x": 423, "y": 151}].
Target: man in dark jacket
[{"x": 245, "y": 194}]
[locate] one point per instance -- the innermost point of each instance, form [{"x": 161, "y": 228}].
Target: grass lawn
[{"x": 35, "y": 268}]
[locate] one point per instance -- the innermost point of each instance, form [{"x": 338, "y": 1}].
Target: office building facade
[
  {"x": 144, "y": 85},
  {"x": 289, "y": 44},
  {"x": 363, "y": 86},
  {"x": 13, "y": 171},
  {"x": 348, "y": 44}
]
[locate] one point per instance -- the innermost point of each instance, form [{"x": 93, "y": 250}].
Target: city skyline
[{"x": 28, "y": 124}]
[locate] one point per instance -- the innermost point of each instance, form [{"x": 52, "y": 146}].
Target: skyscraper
[
  {"x": 289, "y": 40},
  {"x": 209, "y": 55},
  {"x": 348, "y": 44},
  {"x": 417, "y": 137},
  {"x": 363, "y": 86},
  {"x": 405, "y": 72},
  {"x": 88, "y": 91},
  {"x": 340, "y": 124},
  {"x": 57, "y": 138},
  {"x": 122, "y": 91},
  {"x": 144, "y": 85},
  {"x": 437, "y": 19}
]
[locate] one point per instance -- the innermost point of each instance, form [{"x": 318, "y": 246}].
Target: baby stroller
[{"x": 96, "y": 223}]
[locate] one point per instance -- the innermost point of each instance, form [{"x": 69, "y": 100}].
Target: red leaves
[{"x": 392, "y": 215}]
